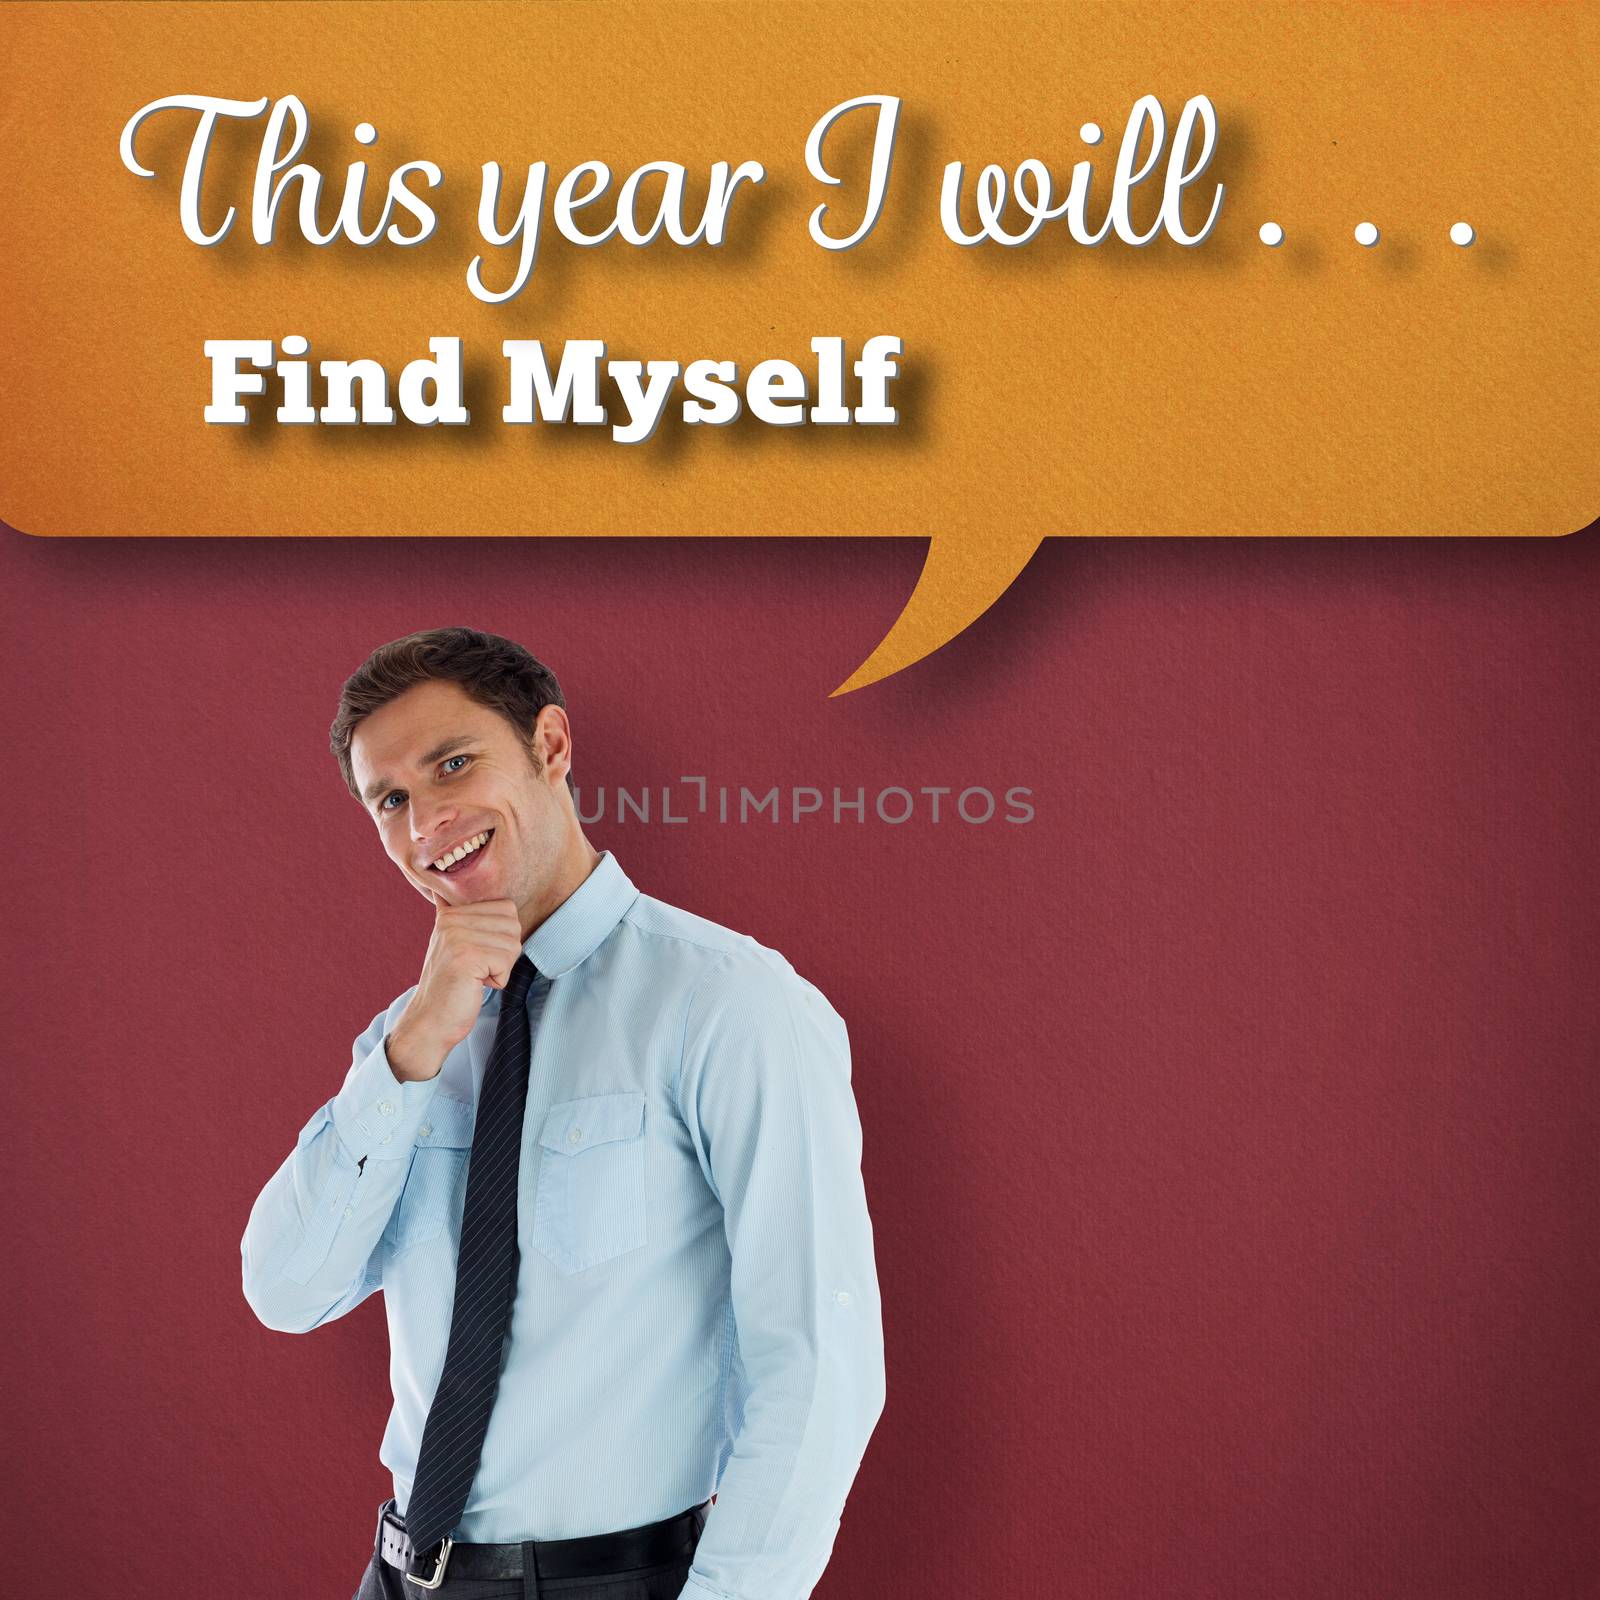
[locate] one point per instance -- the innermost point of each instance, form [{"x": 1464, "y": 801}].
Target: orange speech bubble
[{"x": 1256, "y": 367}]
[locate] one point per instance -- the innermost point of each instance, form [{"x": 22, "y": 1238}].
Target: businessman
[{"x": 603, "y": 1160}]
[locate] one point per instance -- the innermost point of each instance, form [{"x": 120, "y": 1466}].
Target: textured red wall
[{"x": 1231, "y": 1127}]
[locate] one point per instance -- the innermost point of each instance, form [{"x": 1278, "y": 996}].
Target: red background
[{"x": 1230, "y": 1128}]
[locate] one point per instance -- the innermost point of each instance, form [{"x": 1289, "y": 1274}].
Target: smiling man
[{"x": 603, "y": 1160}]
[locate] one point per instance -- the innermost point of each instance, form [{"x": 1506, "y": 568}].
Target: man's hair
[{"x": 495, "y": 672}]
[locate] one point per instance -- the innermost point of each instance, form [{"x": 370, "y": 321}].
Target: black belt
[{"x": 597, "y": 1555}]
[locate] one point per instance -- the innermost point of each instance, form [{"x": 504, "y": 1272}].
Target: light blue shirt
[{"x": 697, "y": 1302}]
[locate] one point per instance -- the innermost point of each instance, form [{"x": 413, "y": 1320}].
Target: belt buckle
[{"x": 437, "y": 1577}]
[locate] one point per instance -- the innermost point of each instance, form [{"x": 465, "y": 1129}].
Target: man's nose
[{"x": 431, "y": 820}]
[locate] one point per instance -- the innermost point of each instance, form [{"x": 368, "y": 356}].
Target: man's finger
[{"x": 494, "y": 911}]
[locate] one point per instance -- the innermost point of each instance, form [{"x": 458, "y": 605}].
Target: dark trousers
[{"x": 382, "y": 1582}]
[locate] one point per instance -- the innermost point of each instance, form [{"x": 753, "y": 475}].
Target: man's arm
[
  {"x": 764, "y": 1089},
  {"x": 310, "y": 1247},
  {"x": 309, "y": 1250}
]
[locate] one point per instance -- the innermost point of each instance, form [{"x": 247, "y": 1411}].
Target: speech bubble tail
[{"x": 959, "y": 582}]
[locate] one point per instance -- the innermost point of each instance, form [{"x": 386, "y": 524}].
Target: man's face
[{"x": 439, "y": 774}]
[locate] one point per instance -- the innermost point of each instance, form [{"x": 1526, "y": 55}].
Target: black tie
[{"x": 486, "y": 1278}]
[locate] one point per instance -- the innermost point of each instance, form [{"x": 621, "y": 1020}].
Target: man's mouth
[{"x": 464, "y": 854}]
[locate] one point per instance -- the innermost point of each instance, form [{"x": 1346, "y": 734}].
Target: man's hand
[{"x": 472, "y": 945}]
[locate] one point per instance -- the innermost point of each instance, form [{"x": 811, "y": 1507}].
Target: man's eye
[
  {"x": 450, "y": 762},
  {"x": 390, "y": 800}
]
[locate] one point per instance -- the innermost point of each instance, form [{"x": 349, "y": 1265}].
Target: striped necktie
[{"x": 486, "y": 1278}]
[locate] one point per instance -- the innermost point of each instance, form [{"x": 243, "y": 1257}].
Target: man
[{"x": 603, "y": 1160}]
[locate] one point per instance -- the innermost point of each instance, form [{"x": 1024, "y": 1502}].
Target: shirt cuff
[
  {"x": 376, "y": 1114},
  {"x": 695, "y": 1590}
]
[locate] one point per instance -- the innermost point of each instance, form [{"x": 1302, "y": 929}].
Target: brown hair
[{"x": 495, "y": 672}]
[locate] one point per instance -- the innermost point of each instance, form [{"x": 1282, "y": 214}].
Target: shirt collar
[{"x": 583, "y": 921}]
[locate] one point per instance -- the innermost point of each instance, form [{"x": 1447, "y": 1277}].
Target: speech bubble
[
  {"x": 957, "y": 585},
  {"x": 1374, "y": 330}
]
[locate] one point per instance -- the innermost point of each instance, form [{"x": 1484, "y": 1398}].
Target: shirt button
[
  {"x": 425, "y": 1129},
  {"x": 349, "y": 1211},
  {"x": 386, "y": 1138},
  {"x": 386, "y": 1107},
  {"x": 842, "y": 1296},
  {"x": 576, "y": 1136}
]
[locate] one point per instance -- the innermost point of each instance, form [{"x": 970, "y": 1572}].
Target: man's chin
[{"x": 468, "y": 895}]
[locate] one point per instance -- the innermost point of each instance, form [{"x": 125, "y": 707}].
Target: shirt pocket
[
  {"x": 589, "y": 1203},
  {"x": 436, "y": 1183}
]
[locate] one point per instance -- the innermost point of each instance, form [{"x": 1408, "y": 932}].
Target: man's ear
[{"x": 552, "y": 742}]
